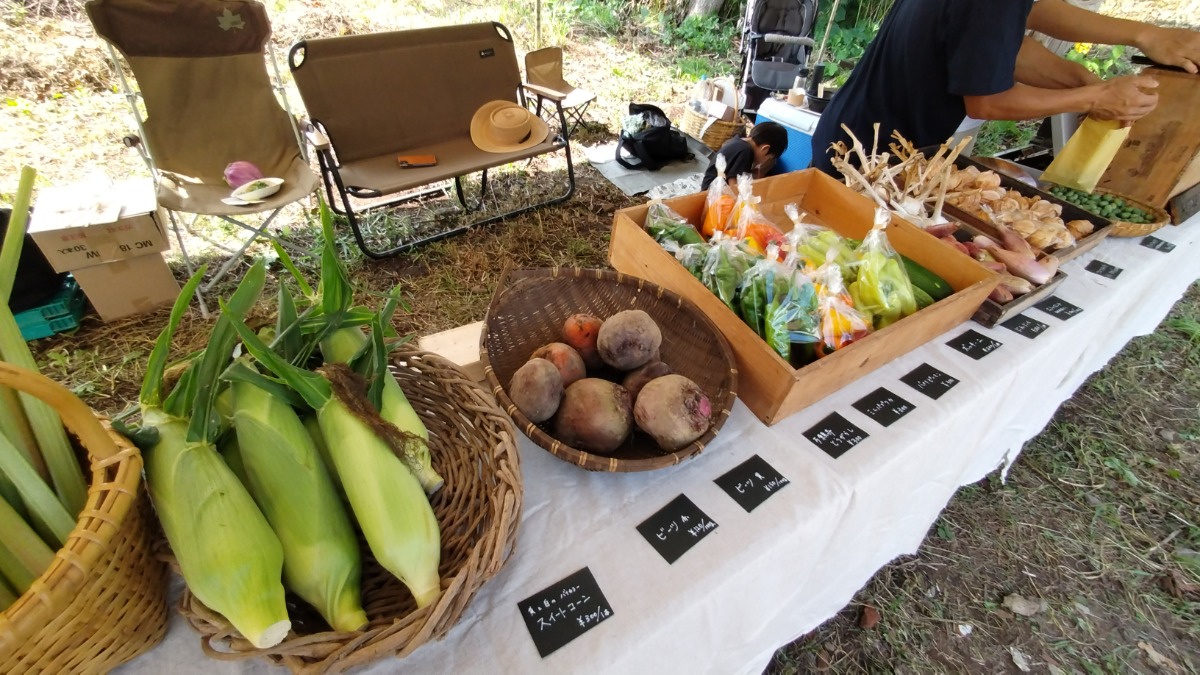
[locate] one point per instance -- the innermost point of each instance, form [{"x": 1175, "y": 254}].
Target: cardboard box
[
  {"x": 98, "y": 222},
  {"x": 768, "y": 384},
  {"x": 127, "y": 287}
]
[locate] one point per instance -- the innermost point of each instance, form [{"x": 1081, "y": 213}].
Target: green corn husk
[
  {"x": 228, "y": 554},
  {"x": 7, "y": 596},
  {"x": 47, "y": 514},
  {"x": 387, "y": 500},
  {"x": 23, "y": 554},
  {"x": 230, "y": 558},
  {"x": 288, "y": 480}
]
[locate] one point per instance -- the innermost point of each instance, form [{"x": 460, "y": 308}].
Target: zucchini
[{"x": 927, "y": 281}]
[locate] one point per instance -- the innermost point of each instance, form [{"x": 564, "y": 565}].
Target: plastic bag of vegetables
[
  {"x": 882, "y": 286},
  {"x": 841, "y": 322},
  {"x": 779, "y": 303},
  {"x": 724, "y": 268},
  {"x": 691, "y": 256},
  {"x": 810, "y": 243},
  {"x": 664, "y": 224},
  {"x": 719, "y": 202}
]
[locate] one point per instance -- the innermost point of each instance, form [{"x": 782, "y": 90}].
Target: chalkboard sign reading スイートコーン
[
  {"x": 929, "y": 381},
  {"x": 752, "y": 482},
  {"x": 564, "y": 611},
  {"x": 835, "y": 435},
  {"x": 1058, "y": 308},
  {"x": 676, "y": 528},
  {"x": 975, "y": 344},
  {"x": 883, "y": 406},
  {"x": 1026, "y": 326}
]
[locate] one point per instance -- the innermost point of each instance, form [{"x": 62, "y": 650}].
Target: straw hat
[{"x": 504, "y": 126}]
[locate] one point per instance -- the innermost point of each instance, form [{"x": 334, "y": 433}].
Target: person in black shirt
[
  {"x": 755, "y": 155},
  {"x": 934, "y": 62}
]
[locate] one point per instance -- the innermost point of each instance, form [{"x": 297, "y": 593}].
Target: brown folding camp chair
[
  {"x": 544, "y": 79},
  {"x": 374, "y": 97},
  {"x": 209, "y": 100}
]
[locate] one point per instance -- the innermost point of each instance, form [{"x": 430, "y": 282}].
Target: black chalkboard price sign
[
  {"x": 929, "y": 381},
  {"x": 564, "y": 611},
  {"x": 1058, "y": 308},
  {"x": 676, "y": 528},
  {"x": 752, "y": 482},
  {"x": 1156, "y": 244},
  {"x": 1024, "y": 325},
  {"x": 975, "y": 344},
  {"x": 883, "y": 406},
  {"x": 835, "y": 435},
  {"x": 1104, "y": 269}
]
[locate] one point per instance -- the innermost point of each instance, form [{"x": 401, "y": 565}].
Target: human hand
[
  {"x": 1125, "y": 99},
  {"x": 1173, "y": 47}
]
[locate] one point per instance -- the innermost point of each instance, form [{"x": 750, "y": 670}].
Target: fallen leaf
[
  {"x": 1159, "y": 661},
  {"x": 1176, "y": 586},
  {"x": 1168, "y": 435},
  {"x": 965, "y": 629},
  {"x": 1024, "y": 606},
  {"x": 869, "y": 618},
  {"x": 1083, "y": 609},
  {"x": 1019, "y": 659},
  {"x": 1055, "y": 670}
]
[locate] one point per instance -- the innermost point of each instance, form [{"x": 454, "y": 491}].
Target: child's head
[{"x": 770, "y": 141}]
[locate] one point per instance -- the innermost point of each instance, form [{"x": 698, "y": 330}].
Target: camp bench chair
[
  {"x": 201, "y": 73},
  {"x": 373, "y": 97},
  {"x": 544, "y": 80}
]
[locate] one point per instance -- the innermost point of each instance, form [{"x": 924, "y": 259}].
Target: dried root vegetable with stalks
[{"x": 903, "y": 181}]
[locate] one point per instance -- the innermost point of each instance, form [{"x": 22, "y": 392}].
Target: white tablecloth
[{"x": 763, "y": 578}]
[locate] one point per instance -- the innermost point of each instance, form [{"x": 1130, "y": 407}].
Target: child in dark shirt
[{"x": 754, "y": 155}]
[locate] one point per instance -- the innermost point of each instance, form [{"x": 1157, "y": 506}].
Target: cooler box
[{"x": 800, "y": 124}]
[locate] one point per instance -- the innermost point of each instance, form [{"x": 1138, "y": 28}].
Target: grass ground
[{"x": 1098, "y": 518}]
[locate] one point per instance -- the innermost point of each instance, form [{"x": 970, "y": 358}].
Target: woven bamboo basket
[
  {"x": 1122, "y": 228},
  {"x": 528, "y": 311},
  {"x": 473, "y": 446},
  {"x": 709, "y": 131},
  {"x": 103, "y": 600}
]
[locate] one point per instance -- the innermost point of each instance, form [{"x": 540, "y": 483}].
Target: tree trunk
[{"x": 704, "y": 7}]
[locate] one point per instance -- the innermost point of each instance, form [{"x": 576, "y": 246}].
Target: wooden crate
[
  {"x": 1161, "y": 156},
  {"x": 768, "y": 384}
]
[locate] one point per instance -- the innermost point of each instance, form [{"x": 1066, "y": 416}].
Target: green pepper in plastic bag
[
  {"x": 724, "y": 268},
  {"x": 691, "y": 256},
  {"x": 811, "y": 244},
  {"x": 664, "y": 224},
  {"x": 883, "y": 287}
]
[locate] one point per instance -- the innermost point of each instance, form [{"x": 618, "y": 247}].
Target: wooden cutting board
[{"x": 1161, "y": 157}]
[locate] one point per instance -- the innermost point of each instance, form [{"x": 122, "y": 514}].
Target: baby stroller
[{"x": 776, "y": 41}]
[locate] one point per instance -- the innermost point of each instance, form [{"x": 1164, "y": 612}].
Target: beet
[
  {"x": 674, "y": 410},
  {"x": 595, "y": 415},
  {"x": 568, "y": 361},
  {"x": 536, "y": 389},
  {"x": 628, "y": 339}
]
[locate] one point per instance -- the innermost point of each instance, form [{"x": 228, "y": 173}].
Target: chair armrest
[
  {"x": 315, "y": 137},
  {"x": 544, "y": 92}
]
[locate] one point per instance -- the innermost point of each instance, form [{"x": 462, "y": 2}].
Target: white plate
[
  {"x": 234, "y": 201},
  {"x": 258, "y": 189}
]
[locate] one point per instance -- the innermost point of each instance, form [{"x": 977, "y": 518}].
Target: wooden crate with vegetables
[{"x": 770, "y": 385}]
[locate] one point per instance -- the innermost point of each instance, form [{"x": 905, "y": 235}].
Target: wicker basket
[
  {"x": 103, "y": 600},
  {"x": 529, "y": 310},
  {"x": 474, "y": 449},
  {"x": 1125, "y": 229},
  {"x": 709, "y": 130}
]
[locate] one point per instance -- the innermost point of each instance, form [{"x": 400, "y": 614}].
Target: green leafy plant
[{"x": 1103, "y": 61}]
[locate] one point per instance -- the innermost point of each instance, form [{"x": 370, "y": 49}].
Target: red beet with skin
[
  {"x": 595, "y": 415},
  {"x": 674, "y": 410},
  {"x": 536, "y": 389},
  {"x": 568, "y": 361}
]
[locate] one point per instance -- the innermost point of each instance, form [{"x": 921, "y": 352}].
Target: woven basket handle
[{"x": 75, "y": 414}]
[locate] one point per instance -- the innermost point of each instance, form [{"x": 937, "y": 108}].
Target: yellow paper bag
[{"x": 1087, "y": 155}]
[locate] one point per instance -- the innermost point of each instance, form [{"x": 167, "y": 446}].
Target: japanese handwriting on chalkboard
[
  {"x": 594, "y": 617},
  {"x": 837, "y": 438},
  {"x": 982, "y": 344}
]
